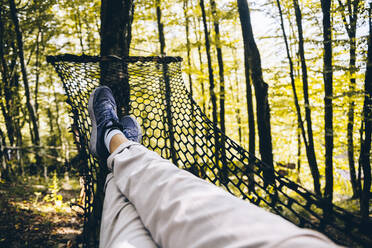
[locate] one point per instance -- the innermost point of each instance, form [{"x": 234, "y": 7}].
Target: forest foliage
[{"x": 307, "y": 93}]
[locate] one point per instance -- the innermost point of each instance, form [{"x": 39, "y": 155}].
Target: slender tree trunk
[
  {"x": 365, "y": 149},
  {"x": 298, "y": 152},
  {"x": 37, "y": 76},
  {"x": 251, "y": 148},
  {"x": 211, "y": 83},
  {"x": 261, "y": 90},
  {"x": 350, "y": 115},
  {"x": 309, "y": 145},
  {"x": 4, "y": 168},
  {"x": 251, "y": 121},
  {"x": 4, "y": 90},
  {"x": 188, "y": 44},
  {"x": 160, "y": 28},
  {"x": 30, "y": 108},
  {"x": 300, "y": 124},
  {"x": 328, "y": 87},
  {"x": 350, "y": 26},
  {"x": 201, "y": 65},
  {"x": 222, "y": 88},
  {"x": 168, "y": 119},
  {"x": 79, "y": 29},
  {"x": 236, "y": 91},
  {"x": 251, "y": 125},
  {"x": 57, "y": 115},
  {"x": 188, "y": 50}
]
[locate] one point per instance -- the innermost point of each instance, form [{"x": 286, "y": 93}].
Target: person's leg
[
  {"x": 120, "y": 223},
  {"x": 181, "y": 210}
]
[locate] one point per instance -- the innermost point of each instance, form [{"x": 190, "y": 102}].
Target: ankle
[
  {"x": 113, "y": 138},
  {"x": 116, "y": 141}
]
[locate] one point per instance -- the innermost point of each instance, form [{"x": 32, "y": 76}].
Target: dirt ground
[{"x": 35, "y": 214}]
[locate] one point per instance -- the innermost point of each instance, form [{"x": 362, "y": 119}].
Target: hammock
[{"x": 175, "y": 127}]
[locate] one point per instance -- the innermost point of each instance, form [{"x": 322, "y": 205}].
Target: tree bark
[
  {"x": 194, "y": 168},
  {"x": 222, "y": 87},
  {"x": 237, "y": 90},
  {"x": 4, "y": 173},
  {"x": 160, "y": 28},
  {"x": 116, "y": 29},
  {"x": 4, "y": 90},
  {"x": 37, "y": 76},
  {"x": 350, "y": 26},
  {"x": 251, "y": 127},
  {"x": 309, "y": 144},
  {"x": 30, "y": 108},
  {"x": 79, "y": 28},
  {"x": 188, "y": 44},
  {"x": 365, "y": 149},
  {"x": 252, "y": 55},
  {"x": 211, "y": 84},
  {"x": 328, "y": 109},
  {"x": 300, "y": 124},
  {"x": 201, "y": 67},
  {"x": 56, "y": 102}
]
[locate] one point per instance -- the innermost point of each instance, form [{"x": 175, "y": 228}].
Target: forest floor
[{"x": 37, "y": 213}]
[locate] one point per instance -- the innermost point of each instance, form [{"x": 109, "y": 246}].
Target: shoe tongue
[{"x": 113, "y": 124}]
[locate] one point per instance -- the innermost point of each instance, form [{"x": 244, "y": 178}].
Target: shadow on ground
[{"x": 28, "y": 220}]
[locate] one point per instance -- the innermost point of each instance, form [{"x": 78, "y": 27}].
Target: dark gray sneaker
[
  {"x": 102, "y": 112},
  {"x": 131, "y": 128}
]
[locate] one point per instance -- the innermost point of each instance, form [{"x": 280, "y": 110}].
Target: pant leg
[
  {"x": 181, "y": 210},
  {"x": 121, "y": 225}
]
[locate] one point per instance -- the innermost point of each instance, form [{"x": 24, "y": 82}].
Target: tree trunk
[
  {"x": 201, "y": 67},
  {"x": 168, "y": 119},
  {"x": 365, "y": 148},
  {"x": 300, "y": 124},
  {"x": 188, "y": 45},
  {"x": 211, "y": 84},
  {"x": 37, "y": 65},
  {"x": 350, "y": 115},
  {"x": 298, "y": 151},
  {"x": 350, "y": 26},
  {"x": 160, "y": 28},
  {"x": 57, "y": 115},
  {"x": 236, "y": 91},
  {"x": 4, "y": 174},
  {"x": 252, "y": 55},
  {"x": 194, "y": 168},
  {"x": 328, "y": 109},
  {"x": 79, "y": 29},
  {"x": 251, "y": 127},
  {"x": 5, "y": 92},
  {"x": 116, "y": 27},
  {"x": 222, "y": 88},
  {"x": 30, "y": 108},
  {"x": 309, "y": 145}
]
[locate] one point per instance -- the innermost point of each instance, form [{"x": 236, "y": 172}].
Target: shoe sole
[
  {"x": 93, "y": 135},
  {"x": 139, "y": 130}
]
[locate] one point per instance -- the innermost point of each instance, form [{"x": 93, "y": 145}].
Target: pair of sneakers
[{"x": 103, "y": 113}]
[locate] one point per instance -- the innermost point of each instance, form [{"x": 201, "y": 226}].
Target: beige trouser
[{"x": 169, "y": 207}]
